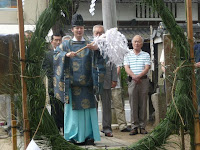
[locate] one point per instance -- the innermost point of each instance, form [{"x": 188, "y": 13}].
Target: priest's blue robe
[{"x": 76, "y": 81}]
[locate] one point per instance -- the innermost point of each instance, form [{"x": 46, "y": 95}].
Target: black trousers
[{"x": 57, "y": 111}]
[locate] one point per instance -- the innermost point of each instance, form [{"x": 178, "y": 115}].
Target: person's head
[
  {"x": 98, "y": 30},
  {"x": 137, "y": 42},
  {"x": 56, "y": 39},
  {"x": 77, "y": 26},
  {"x": 28, "y": 35},
  {"x": 66, "y": 37}
]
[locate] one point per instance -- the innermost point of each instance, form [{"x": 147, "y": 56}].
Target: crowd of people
[{"x": 79, "y": 81}]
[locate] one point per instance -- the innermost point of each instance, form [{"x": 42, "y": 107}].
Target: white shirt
[
  {"x": 74, "y": 39},
  {"x": 137, "y": 62}
]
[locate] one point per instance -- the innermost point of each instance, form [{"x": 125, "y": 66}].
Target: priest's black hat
[{"x": 77, "y": 20}]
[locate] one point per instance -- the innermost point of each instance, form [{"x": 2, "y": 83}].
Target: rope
[
  {"x": 173, "y": 87},
  {"x": 172, "y": 93},
  {"x": 29, "y": 77},
  {"x": 27, "y": 61},
  {"x": 39, "y": 121}
]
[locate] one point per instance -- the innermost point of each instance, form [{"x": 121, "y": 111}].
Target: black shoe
[
  {"x": 72, "y": 141},
  {"x": 109, "y": 134},
  {"x": 76, "y": 143},
  {"x": 80, "y": 144},
  {"x": 134, "y": 131},
  {"x": 126, "y": 129},
  {"x": 143, "y": 131},
  {"x": 89, "y": 141}
]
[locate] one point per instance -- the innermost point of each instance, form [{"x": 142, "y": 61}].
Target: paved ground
[
  {"x": 124, "y": 140},
  {"x": 120, "y": 140},
  {"x": 5, "y": 141}
]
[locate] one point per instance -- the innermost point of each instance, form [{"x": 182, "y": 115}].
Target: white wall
[
  {"x": 126, "y": 12},
  {"x": 32, "y": 11},
  {"x": 8, "y": 16},
  {"x": 84, "y": 11},
  {"x": 182, "y": 14}
]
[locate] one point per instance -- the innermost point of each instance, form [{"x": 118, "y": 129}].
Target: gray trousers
[
  {"x": 119, "y": 108},
  {"x": 106, "y": 110},
  {"x": 138, "y": 94}
]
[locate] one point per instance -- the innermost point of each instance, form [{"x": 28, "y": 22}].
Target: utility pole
[
  {"x": 194, "y": 96},
  {"x": 110, "y": 21},
  {"x": 109, "y": 14}
]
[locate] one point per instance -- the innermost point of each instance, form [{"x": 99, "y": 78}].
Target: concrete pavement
[{"x": 119, "y": 139}]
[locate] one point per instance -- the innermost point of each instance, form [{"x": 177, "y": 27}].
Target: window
[
  {"x": 144, "y": 11},
  {"x": 8, "y": 3}
]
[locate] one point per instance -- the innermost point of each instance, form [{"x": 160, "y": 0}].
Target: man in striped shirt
[{"x": 137, "y": 64}]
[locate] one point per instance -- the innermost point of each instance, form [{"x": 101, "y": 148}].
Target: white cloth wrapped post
[{"x": 113, "y": 45}]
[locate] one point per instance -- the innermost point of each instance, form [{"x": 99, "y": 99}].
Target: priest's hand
[
  {"x": 71, "y": 54},
  {"x": 197, "y": 65},
  {"x": 92, "y": 46}
]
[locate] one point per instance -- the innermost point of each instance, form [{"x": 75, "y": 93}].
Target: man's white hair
[
  {"x": 140, "y": 37},
  {"x": 97, "y": 26}
]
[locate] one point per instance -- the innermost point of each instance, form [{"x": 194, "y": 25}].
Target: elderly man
[
  {"x": 137, "y": 64},
  {"x": 110, "y": 80}
]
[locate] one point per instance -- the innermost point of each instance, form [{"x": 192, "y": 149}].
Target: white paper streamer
[
  {"x": 32, "y": 146},
  {"x": 92, "y": 9},
  {"x": 113, "y": 45}
]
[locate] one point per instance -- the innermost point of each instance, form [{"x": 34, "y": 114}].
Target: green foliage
[{"x": 124, "y": 82}]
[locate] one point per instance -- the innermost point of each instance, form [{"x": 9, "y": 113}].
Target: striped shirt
[{"x": 137, "y": 62}]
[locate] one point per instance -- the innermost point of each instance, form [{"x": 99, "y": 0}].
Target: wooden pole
[
  {"x": 24, "y": 89},
  {"x": 194, "y": 96},
  {"x": 13, "y": 122},
  {"x": 182, "y": 138}
]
